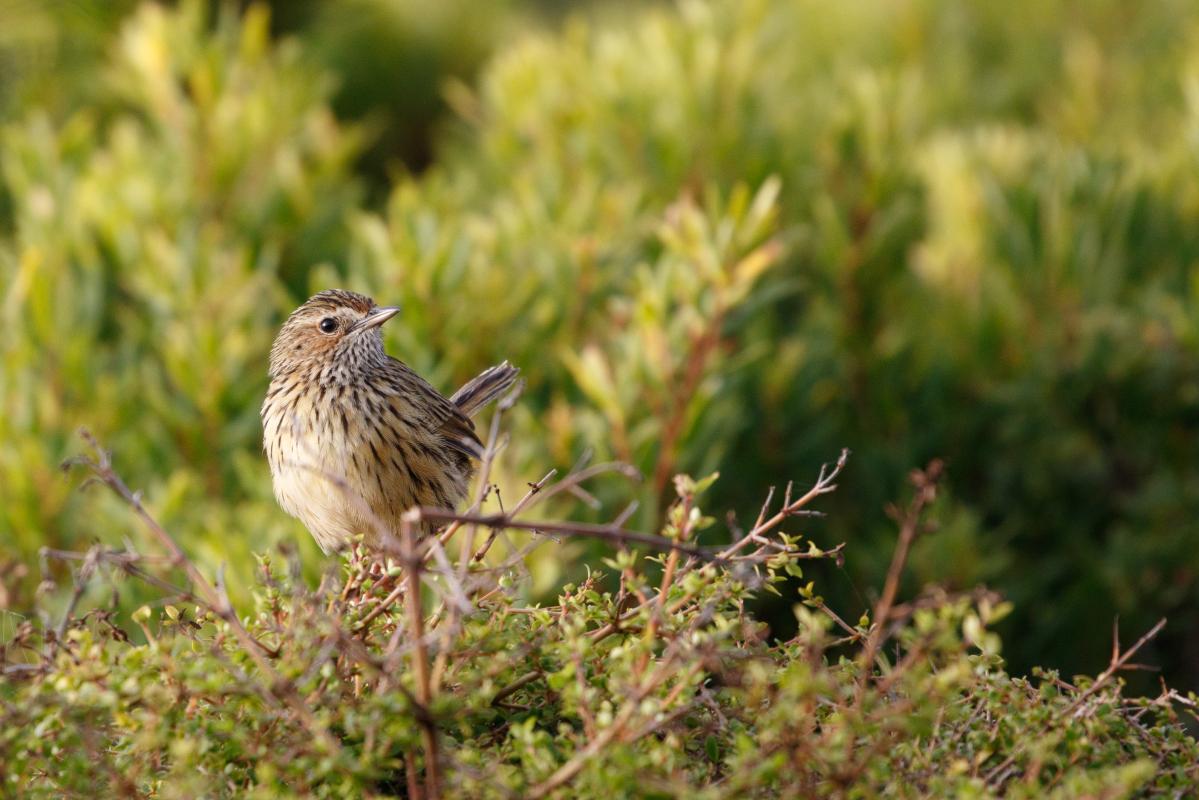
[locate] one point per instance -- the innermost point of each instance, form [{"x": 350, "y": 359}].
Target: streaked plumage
[{"x": 353, "y": 436}]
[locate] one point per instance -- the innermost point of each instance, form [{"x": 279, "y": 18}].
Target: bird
[{"x": 354, "y": 437}]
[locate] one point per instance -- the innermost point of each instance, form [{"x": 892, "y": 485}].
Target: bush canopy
[
  {"x": 715, "y": 236},
  {"x": 428, "y": 675}
]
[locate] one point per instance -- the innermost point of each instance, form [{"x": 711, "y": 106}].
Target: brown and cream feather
[{"x": 353, "y": 436}]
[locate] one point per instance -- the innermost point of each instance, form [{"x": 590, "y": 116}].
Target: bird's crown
[
  {"x": 335, "y": 324},
  {"x": 334, "y": 299}
]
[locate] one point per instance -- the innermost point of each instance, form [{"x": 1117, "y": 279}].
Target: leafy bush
[
  {"x": 659, "y": 686},
  {"x": 394, "y": 59},
  {"x": 983, "y": 254},
  {"x": 722, "y": 235},
  {"x": 153, "y": 233}
]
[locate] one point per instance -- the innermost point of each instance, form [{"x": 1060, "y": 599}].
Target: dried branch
[
  {"x": 101, "y": 468},
  {"x": 1119, "y": 661},
  {"x": 609, "y": 533},
  {"x": 824, "y": 485},
  {"x": 925, "y": 482},
  {"x": 420, "y": 659}
]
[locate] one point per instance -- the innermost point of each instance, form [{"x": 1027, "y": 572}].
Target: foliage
[
  {"x": 393, "y": 60},
  {"x": 983, "y": 255},
  {"x": 663, "y": 686},
  {"x": 153, "y": 232},
  {"x": 714, "y": 235}
]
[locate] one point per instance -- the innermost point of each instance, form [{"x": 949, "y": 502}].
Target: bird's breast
[{"x": 351, "y": 459}]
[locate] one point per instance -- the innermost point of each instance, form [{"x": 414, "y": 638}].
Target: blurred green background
[{"x": 729, "y": 236}]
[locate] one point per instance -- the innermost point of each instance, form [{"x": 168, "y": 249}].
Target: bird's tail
[{"x": 484, "y": 387}]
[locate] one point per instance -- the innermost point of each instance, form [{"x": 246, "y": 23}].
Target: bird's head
[{"x": 332, "y": 327}]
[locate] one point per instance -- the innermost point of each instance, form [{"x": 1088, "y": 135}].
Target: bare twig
[
  {"x": 824, "y": 485},
  {"x": 420, "y": 658},
  {"x": 925, "y": 482},
  {"x": 81, "y": 579},
  {"x": 609, "y": 533},
  {"x": 214, "y": 601},
  {"x": 1119, "y": 661},
  {"x": 516, "y": 686}
]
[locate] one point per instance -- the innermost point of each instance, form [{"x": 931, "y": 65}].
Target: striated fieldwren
[{"x": 354, "y": 437}]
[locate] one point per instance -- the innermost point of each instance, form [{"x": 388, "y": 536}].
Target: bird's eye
[{"x": 328, "y": 325}]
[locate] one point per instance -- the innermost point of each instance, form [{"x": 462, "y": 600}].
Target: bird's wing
[
  {"x": 436, "y": 413},
  {"x": 459, "y": 433}
]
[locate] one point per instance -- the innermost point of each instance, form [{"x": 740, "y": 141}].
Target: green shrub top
[
  {"x": 734, "y": 235},
  {"x": 923, "y": 229},
  {"x": 647, "y": 679}
]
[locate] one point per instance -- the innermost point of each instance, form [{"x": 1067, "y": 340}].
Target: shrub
[
  {"x": 979, "y": 252},
  {"x": 722, "y": 235},
  {"x": 649, "y": 680},
  {"x": 153, "y": 233}
]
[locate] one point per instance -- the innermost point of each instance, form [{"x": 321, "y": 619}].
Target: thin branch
[
  {"x": 925, "y": 482},
  {"x": 609, "y": 533},
  {"x": 81, "y": 579},
  {"x": 216, "y": 602},
  {"x": 516, "y": 686},
  {"x": 420, "y": 657},
  {"x": 1119, "y": 661},
  {"x": 824, "y": 485}
]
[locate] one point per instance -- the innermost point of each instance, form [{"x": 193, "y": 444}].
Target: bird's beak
[{"x": 377, "y": 317}]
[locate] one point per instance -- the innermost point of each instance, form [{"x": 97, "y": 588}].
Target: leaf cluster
[
  {"x": 714, "y": 235},
  {"x": 414, "y": 672}
]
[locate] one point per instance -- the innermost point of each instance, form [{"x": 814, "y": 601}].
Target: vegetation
[
  {"x": 664, "y": 686},
  {"x": 731, "y": 236}
]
